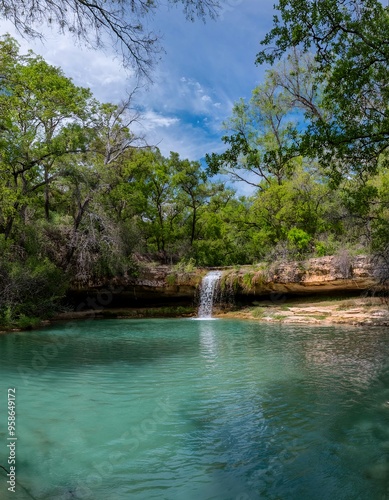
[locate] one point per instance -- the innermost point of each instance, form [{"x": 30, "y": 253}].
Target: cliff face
[
  {"x": 154, "y": 286},
  {"x": 320, "y": 275},
  {"x": 163, "y": 285}
]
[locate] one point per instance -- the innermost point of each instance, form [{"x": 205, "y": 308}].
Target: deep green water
[{"x": 197, "y": 410}]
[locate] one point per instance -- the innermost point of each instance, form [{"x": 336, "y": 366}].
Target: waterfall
[{"x": 207, "y": 293}]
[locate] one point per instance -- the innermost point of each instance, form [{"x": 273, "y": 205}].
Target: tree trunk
[{"x": 77, "y": 221}]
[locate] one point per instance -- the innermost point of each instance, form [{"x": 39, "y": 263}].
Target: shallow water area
[{"x": 181, "y": 409}]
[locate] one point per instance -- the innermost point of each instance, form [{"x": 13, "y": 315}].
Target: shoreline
[
  {"x": 329, "y": 311},
  {"x": 358, "y": 311}
]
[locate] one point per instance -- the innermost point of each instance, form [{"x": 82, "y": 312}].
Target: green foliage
[
  {"x": 30, "y": 289},
  {"x": 229, "y": 282},
  {"x": 299, "y": 239},
  {"x": 262, "y": 146},
  {"x": 257, "y": 312},
  {"x": 321, "y": 249},
  {"x": 349, "y": 40},
  {"x": 185, "y": 266},
  {"x": 26, "y": 323},
  {"x": 247, "y": 281},
  {"x": 83, "y": 199},
  {"x": 42, "y": 112},
  {"x": 171, "y": 279}
]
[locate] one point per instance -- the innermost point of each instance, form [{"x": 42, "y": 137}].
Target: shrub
[
  {"x": 25, "y": 322},
  {"x": 299, "y": 239},
  {"x": 29, "y": 289},
  {"x": 321, "y": 249}
]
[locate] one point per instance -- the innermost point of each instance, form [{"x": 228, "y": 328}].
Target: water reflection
[
  {"x": 208, "y": 341},
  {"x": 349, "y": 354}
]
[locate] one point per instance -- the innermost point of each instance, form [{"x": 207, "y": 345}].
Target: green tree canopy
[
  {"x": 42, "y": 118},
  {"x": 351, "y": 47},
  {"x": 263, "y": 142}
]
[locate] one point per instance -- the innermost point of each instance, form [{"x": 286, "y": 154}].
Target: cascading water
[{"x": 207, "y": 293}]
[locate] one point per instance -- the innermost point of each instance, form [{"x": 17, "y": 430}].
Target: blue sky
[{"x": 206, "y": 68}]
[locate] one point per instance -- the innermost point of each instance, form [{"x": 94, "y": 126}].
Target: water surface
[{"x": 188, "y": 410}]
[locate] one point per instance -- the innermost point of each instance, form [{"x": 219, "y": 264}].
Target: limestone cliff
[
  {"x": 163, "y": 285},
  {"x": 319, "y": 275}
]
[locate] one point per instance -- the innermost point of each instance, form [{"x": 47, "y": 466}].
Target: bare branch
[{"x": 90, "y": 22}]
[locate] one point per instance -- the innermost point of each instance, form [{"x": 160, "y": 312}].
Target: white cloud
[
  {"x": 152, "y": 120},
  {"x": 207, "y": 67},
  {"x": 101, "y": 71}
]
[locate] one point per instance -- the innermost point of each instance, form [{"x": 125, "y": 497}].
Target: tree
[
  {"x": 43, "y": 114},
  {"x": 195, "y": 191},
  {"x": 285, "y": 220},
  {"x": 350, "y": 43},
  {"x": 263, "y": 140},
  {"x": 90, "y": 22},
  {"x": 223, "y": 238},
  {"x": 98, "y": 180},
  {"x": 112, "y": 125},
  {"x": 61, "y": 153},
  {"x": 154, "y": 198},
  {"x": 294, "y": 76}
]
